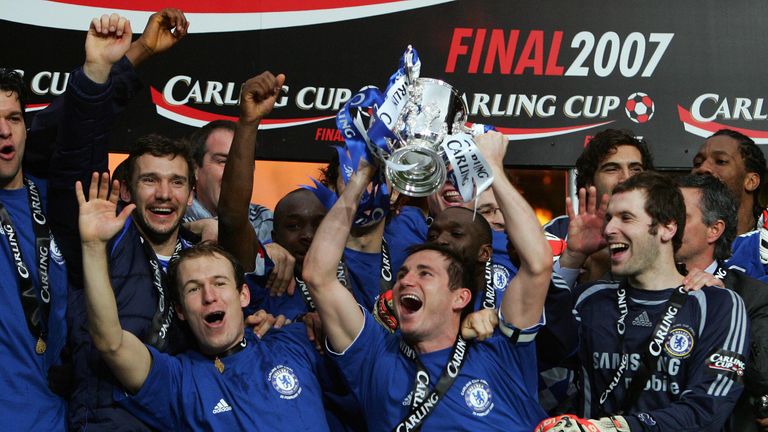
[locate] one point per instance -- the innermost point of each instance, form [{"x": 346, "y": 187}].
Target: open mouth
[
  {"x": 7, "y": 152},
  {"x": 214, "y": 317},
  {"x": 452, "y": 196},
  {"x": 161, "y": 211},
  {"x": 410, "y": 302},
  {"x": 617, "y": 248}
]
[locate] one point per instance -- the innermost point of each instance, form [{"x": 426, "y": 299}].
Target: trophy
[
  {"x": 417, "y": 129},
  {"x": 433, "y": 111}
]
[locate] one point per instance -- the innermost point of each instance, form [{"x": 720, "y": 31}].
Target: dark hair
[
  {"x": 480, "y": 224},
  {"x": 663, "y": 201},
  {"x": 460, "y": 271},
  {"x": 158, "y": 146},
  {"x": 204, "y": 249},
  {"x": 198, "y": 138},
  {"x": 754, "y": 161},
  {"x": 121, "y": 172},
  {"x": 601, "y": 146},
  {"x": 717, "y": 203},
  {"x": 330, "y": 173},
  {"x": 12, "y": 81},
  {"x": 278, "y": 216}
]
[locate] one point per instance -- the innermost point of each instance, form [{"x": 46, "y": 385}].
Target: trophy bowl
[{"x": 433, "y": 111}]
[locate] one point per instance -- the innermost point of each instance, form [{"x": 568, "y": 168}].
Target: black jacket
[{"x": 755, "y": 295}]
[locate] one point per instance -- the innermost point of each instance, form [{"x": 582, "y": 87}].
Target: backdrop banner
[{"x": 548, "y": 74}]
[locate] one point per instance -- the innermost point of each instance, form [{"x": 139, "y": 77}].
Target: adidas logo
[
  {"x": 221, "y": 407},
  {"x": 642, "y": 320}
]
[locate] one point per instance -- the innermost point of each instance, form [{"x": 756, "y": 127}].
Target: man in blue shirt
[
  {"x": 34, "y": 288},
  {"x": 233, "y": 381},
  {"x": 495, "y": 387}
]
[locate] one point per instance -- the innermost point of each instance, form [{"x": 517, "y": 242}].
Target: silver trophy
[{"x": 433, "y": 111}]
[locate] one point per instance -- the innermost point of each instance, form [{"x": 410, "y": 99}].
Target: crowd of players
[{"x": 168, "y": 301}]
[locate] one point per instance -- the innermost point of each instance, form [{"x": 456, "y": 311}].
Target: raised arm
[
  {"x": 236, "y": 234},
  {"x": 125, "y": 354},
  {"x": 164, "y": 29},
  {"x": 523, "y": 301},
  {"x": 84, "y": 120},
  {"x": 341, "y": 316}
]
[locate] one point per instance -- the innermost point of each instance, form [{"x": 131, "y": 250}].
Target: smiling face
[
  {"x": 13, "y": 136},
  {"x": 161, "y": 191},
  {"x": 211, "y": 303},
  {"x": 632, "y": 240},
  {"x": 620, "y": 164},
  {"x": 446, "y": 197},
  {"x": 425, "y": 305}
]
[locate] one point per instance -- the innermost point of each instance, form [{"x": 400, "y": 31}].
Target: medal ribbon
[
  {"x": 652, "y": 353},
  {"x": 341, "y": 275},
  {"x": 161, "y": 322},
  {"x": 36, "y": 305},
  {"x": 424, "y": 401},
  {"x": 489, "y": 296}
]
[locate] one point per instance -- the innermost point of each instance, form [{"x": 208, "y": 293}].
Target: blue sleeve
[
  {"x": 559, "y": 338},
  {"x": 404, "y": 230},
  {"x": 291, "y": 306},
  {"x": 558, "y": 227},
  {"x": 715, "y": 371},
  {"x": 85, "y": 119},
  {"x": 158, "y": 402},
  {"x": 746, "y": 255},
  {"x": 361, "y": 358},
  {"x": 44, "y": 126},
  {"x": 364, "y": 270}
]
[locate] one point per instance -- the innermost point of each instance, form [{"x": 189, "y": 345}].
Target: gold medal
[
  {"x": 219, "y": 365},
  {"x": 40, "y": 346}
]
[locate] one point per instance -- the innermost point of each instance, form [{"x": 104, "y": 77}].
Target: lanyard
[
  {"x": 424, "y": 401},
  {"x": 654, "y": 347},
  {"x": 218, "y": 364},
  {"x": 489, "y": 296},
  {"x": 720, "y": 272},
  {"x": 341, "y": 275},
  {"x": 36, "y": 308},
  {"x": 386, "y": 267},
  {"x": 161, "y": 321}
]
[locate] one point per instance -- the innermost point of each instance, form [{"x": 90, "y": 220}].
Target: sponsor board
[{"x": 547, "y": 81}]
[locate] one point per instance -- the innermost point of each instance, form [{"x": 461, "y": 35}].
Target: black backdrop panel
[{"x": 547, "y": 73}]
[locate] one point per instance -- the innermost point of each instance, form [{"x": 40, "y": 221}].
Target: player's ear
[
  {"x": 245, "y": 296},
  {"x": 751, "y": 181},
  {"x": 125, "y": 192},
  {"x": 462, "y": 297},
  {"x": 667, "y": 231},
  {"x": 715, "y": 230},
  {"x": 485, "y": 254}
]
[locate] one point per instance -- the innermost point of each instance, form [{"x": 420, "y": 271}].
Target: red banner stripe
[
  {"x": 231, "y": 6},
  {"x": 186, "y": 111},
  {"x": 687, "y": 117}
]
